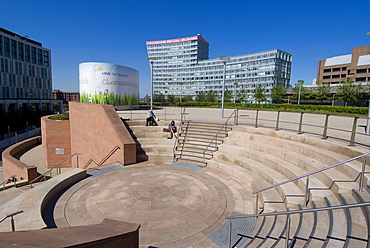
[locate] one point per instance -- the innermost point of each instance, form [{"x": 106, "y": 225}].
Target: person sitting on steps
[
  {"x": 150, "y": 119},
  {"x": 172, "y": 128}
]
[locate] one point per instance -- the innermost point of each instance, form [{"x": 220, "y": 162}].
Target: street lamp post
[
  {"x": 224, "y": 60},
  {"x": 235, "y": 85},
  {"x": 299, "y": 92},
  {"x": 151, "y": 60}
]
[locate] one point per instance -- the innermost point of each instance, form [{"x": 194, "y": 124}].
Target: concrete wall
[
  {"x": 13, "y": 166},
  {"x": 55, "y": 136},
  {"x": 95, "y": 130}
]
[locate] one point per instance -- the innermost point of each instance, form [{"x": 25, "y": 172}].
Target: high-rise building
[
  {"x": 181, "y": 67},
  {"x": 336, "y": 69},
  {"x": 25, "y": 71}
]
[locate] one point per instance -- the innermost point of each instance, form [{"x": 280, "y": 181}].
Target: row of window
[
  {"x": 23, "y": 52},
  {"x": 21, "y": 93},
  {"x": 24, "y": 81},
  {"x": 364, "y": 70},
  {"x": 19, "y": 68}
]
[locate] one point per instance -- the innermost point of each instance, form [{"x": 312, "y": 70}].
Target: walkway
[{"x": 176, "y": 207}]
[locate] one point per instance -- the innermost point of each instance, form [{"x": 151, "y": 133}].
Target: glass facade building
[
  {"x": 25, "y": 68},
  {"x": 181, "y": 67}
]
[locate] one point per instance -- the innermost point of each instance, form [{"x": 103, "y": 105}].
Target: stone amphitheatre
[{"x": 197, "y": 189}]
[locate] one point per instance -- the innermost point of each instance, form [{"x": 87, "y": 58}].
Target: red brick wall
[
  {"x": 55, "y": 134},
  {"x": 95, "y": 130}
]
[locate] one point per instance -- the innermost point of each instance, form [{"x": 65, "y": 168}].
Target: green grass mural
[{"x": 110, "y": 98}]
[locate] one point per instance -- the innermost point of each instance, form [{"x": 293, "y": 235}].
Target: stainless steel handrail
[
  {"x": 288, "y": 213},
  {"x": 352, "y": 130},
  {"x": 235, "y": 113},
  {"x": 12, "y": 218},
  {"x": 104, "y": 159},
  {"x": 362, "y": 174},
  {"x": 6, "y": 180},
  {"x": 179, "y": 130},
  {"x": 55, "y": 166}
]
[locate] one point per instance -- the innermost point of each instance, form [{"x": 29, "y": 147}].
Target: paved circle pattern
[{"x": 170, "y": 203}]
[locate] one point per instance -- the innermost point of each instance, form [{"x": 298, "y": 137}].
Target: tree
[
  {"x": 171, "y": 99},
  {"x": 347, "y": 91},
  {"x": 323, "y": 92},
  {"x": 228, "y": 95},
  {"x": 278, "y": 93},
  {"x": 211, "y": 96},
  {"x": 187, "y": 98},
  {"x": 200, "y": 97},
  {"x": 159, "y": 98},
  {"x": 241, "y": 95},
  {"x": 306, "y": 94},
  {"x": 259, "y": 94}
]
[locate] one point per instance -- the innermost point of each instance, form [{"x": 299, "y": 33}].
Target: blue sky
[{"x": 79, "y": 31}]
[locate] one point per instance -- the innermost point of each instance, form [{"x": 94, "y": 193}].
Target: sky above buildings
[{"x": 79, "y": 31}]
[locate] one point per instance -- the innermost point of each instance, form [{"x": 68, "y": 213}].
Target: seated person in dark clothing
[
  {"x": 172, "y": 128},
  {"x": 150, "y": 119}
]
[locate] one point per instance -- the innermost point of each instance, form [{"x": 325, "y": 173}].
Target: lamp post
[
  {"x": 299, "y": 92},
  {"x": 224, "y": 60},
  {"x": 151, "y": 60},
  {"x": 181, "y": 83},
  {"x": 235, "y": 85}
]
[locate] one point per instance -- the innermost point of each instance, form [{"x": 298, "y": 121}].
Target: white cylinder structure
[{"x": 106, "y": 83}]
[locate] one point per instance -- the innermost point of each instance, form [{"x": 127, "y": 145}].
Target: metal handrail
[
  {"x": 103, "y": 160},
  {"x": 12, "y": 220},
  {"x": 288, "y": 213},
  {"x": 6, "y": 180},
  {"x": 325, "y": 127},
  {"x": 235, "y": 113},
  {"x": 56, "y": 166},
  {"x": 182, "y": 119},
  {"x": 362, "y": 174}
]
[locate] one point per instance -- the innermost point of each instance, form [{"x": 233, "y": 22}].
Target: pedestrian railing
[
  {"x": 288, "y": 213},
  {"x": 12, "y": 218},
  {"x": 57, "y": 167},
  {"x": 103, "y": 160},
  {"x": 11, "y": 179},
  {"x": 307, "y": 189}
]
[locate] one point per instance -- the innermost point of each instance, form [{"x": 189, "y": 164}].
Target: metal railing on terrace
[{"x": 348, "y": 129}]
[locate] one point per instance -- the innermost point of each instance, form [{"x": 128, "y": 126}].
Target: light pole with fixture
[
  {"x": 299, "y": 92},
  {"x": 235, "y": 85},
  {"x": 224, "y": 60},
  {"x": 151, "y": 60}
]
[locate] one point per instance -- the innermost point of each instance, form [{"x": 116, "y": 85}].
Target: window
[
  {"x": 361, "y": 71},
  {"x": 362, "y": 79},
  {"x": 336, "y": 69},
  {"x": 6, "y": 47},
  {"x": 1, "y": 45},
  {"x": 326, "y": 77},
  {"x": 33, "y": 52},
  {"x": 327, "y": 70},
  {"x": 344, "y": 68},
  {"x": 20, "y": 51},
  {"x": 14, "y": 49},
  {"x": 335, "y": 76},
  {"x": 28, "y": 54}
]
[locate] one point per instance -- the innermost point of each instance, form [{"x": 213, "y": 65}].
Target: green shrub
[{"x": 60, "y": 117}]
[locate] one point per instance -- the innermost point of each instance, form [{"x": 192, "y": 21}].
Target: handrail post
[
  {"x": 300, "y": 124},
  {"x": 77, "y": 160},
  {"x": 277, "y": 121},
  {"x": 325, "y": 131},
  {"x": 353, "y": 135},
  {"x": 362, "y": 178},
  {"x": 13, "y": 224},
  {"x": 257, "y": 203},
  {"x": 256, "y": 124},
  {"x": 306, "y": 193},
  {"x": 230, "y": 229},
  {"x": 287, "y": 231}
]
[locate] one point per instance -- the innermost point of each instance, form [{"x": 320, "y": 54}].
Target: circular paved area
[{"x": 176, "y": 207}]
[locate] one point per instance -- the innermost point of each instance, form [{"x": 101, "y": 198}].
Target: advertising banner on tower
[{"x": 106, "y": 83}]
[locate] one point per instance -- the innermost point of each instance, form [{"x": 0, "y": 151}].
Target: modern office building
[
  {"x": 336, "y": 69},
  {"x": 181, "y": 67},
  {"x": 25, "y": 72}
]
